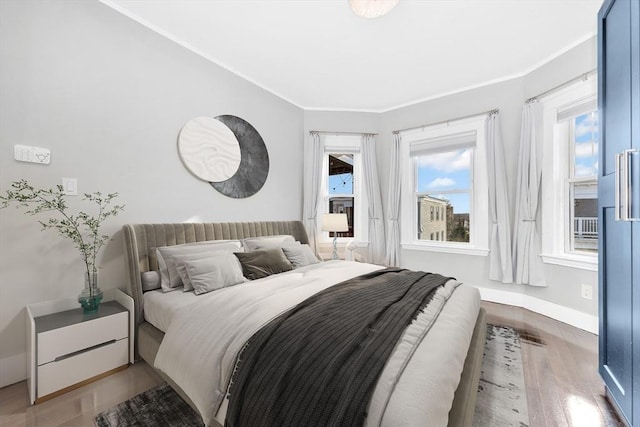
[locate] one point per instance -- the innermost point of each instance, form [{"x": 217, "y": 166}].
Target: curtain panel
[
  {"x": 393, "y": 205},
  {"x": 372, "y": 187},
  {"x": 527, "y": 236},
  {"x": 500, "y": 256},
  {"x": 311, "y": 194}
]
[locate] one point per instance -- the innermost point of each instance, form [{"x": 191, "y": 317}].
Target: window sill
[
  {"x": 583, "y": 262},
  {"x": 450, "y": 249}
]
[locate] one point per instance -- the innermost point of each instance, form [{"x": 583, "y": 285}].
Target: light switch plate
[
  {"x": 26, "y": 153},
  {"x": 70, "y": 186}
]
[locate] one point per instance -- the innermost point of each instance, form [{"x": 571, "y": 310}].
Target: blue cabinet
[{"x": 619, "y": 203}]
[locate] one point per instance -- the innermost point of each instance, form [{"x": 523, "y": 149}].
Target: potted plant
[{"x": 81, "y": 228}]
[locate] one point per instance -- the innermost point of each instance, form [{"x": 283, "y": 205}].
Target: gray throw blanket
[{"x": 318, "y": 363}]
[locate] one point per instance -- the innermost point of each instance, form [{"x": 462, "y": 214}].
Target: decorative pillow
[
  {"x": 300, "y": 255},
  {"x": 259, "y": 264},
  {"x": 182, "y": 258},
  {"x": 167, "y": 264},
  {"x": 267, "y": 242},
  {"x": 150, "y": 280},
  {"x": 214, "y": 272}
]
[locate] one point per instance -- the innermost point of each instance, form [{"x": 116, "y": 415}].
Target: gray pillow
[
  {"x": 300, "y": 255},
  {"x": 179, "y": 261},
  {"x": 167, "y": 264},
  {"x": 214, "y": 272},
  {"x": 150, "y": 280},
  {"x": 259, "y": 264},
  {"x": 267, "y": 242}
]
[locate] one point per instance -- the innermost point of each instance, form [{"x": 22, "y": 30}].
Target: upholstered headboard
[{"x": 142, "y": 239}]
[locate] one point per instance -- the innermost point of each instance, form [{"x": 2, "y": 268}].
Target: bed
[{"x": 407, "y": 393}]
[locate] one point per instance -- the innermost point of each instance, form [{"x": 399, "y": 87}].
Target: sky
[
  {"x": 586, "y": 146},
  {"x": 440, "y": 173}
]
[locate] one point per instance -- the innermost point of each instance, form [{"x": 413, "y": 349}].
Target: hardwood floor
[{"x": 560, "y": 366}]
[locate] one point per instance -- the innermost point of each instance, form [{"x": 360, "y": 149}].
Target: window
[
  {"x": 342, "y": 190},
  {"x": 583, "y": 183},
  {"x": 569, "y": 185},
  {"x": 449, "y": 206}
]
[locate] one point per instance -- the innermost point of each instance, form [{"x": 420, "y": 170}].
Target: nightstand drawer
[
  {"x": 60, "y": 342},
  {"x": 55, "y": 376}
]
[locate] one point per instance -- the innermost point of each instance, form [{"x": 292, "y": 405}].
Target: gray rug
[
  {"x": 159, "y": 406},
  {"x": 502, "y": 399},
  {"x": 501, "y": 394}
]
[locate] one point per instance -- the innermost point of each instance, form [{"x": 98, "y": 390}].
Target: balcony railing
[{"x": 585, "y": 228}]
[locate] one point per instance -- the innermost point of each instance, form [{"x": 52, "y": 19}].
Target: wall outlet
[{"x": 587, "y": 291}]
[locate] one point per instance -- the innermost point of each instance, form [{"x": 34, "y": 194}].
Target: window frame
[
  {"x": 555, "y": 188},
  {"x": 479, "y": 201},
  {"x": 344, "y": 144}
]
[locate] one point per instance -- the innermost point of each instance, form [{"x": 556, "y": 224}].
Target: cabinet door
[{"x": 615, "y": 266}]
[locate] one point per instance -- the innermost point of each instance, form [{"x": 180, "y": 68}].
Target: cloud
[
  {"x": 441, "y": 183},
  {"x": 583, "y": 170},
  {"x": 586, "y": 149},
  {"x": 586, "y": 126},
  {"x": 449, "y": 161}
]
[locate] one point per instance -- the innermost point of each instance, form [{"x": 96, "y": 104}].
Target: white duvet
[{"x": 204, "y": 337}]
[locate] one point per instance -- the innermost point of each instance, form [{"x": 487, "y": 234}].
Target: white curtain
[
  {"x": 527, "y": 238},
  {"x": 372, "y": 187},
  {"x": 500, "y": 259},
  {"x": 312, "y": 190},
  {"x": 393, "y": 205}
]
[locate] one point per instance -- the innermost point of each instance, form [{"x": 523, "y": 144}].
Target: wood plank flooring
[{"x": 560, "y": 367}]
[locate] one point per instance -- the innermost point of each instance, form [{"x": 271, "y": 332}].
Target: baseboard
[
  {"x": 13, "y": 369},
  {"x": 578, "y": 319}
]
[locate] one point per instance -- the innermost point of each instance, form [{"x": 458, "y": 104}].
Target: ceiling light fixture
[{"x": 372, "y": 8}]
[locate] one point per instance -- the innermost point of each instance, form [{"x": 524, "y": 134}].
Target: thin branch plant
[{"x": 82, "y": 228}]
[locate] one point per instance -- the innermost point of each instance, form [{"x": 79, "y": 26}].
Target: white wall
[{"x": 108, "y": 97}]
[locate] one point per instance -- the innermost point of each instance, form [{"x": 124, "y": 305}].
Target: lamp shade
[
  {"x": 334, "y": 222},
  {"x": 372, "y": 8}
]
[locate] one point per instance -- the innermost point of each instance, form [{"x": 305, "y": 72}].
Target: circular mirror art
[{"x": 227, "y": 152}]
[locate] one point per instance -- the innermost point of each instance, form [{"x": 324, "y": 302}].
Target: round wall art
[{"x": 227, "y": 152}]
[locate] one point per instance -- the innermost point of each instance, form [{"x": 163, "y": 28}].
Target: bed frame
[{"x": 142, "y": 239}]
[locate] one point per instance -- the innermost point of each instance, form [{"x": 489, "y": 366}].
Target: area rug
[
  {"x": 502, "y": 399},
  {"x": 159, "y": 406},
  {"x": 501, "y": 393}
]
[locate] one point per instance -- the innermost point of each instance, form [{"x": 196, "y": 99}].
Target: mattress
[{"x": 160, "y": 307}]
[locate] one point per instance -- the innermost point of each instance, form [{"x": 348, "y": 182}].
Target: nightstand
[{"x": 68, "y": 349}]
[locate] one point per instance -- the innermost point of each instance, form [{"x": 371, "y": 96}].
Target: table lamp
[{"x": 334, "y": 222}]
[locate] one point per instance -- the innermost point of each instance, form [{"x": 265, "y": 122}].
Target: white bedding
[
  {"x": 204, "y": 336},
  {"x": 160, "y": 307}
]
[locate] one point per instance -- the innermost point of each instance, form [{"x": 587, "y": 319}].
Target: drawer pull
[{"x": 84, "y": 350}]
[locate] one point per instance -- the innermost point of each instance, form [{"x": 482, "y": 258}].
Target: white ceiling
[{"x": 318, "y": 54}]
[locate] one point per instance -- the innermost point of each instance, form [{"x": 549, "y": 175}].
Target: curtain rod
[
  {"x": 341, "y": 133},
  {"x": 494, "y": 111},
  {"x": 583, "y": 76}
]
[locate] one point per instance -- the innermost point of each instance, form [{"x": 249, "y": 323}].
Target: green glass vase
[{"x": 91, "y": 295}]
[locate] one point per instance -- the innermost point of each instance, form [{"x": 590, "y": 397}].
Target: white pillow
[
  {"x": 214, "y": 272},
  {"x": 182, "y": 272},
  {"x": 300, "y": 255},
  {"x": 170, "y": 279},
  {"x": 267, "y": 242}
]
